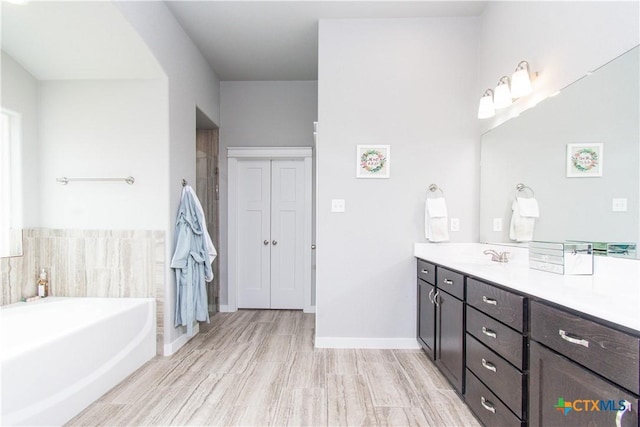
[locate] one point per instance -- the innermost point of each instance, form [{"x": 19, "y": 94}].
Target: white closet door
[
  {"x": 287, "y": 234},
  {"x": 253, "y": 254}
]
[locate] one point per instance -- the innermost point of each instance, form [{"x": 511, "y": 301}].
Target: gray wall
[
  {"x": 192, "y": 83},
  {"x": 265, "y": 114},
  {"x": 409, "y": 83}
]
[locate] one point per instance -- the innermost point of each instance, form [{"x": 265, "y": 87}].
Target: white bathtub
[{"x": 60, "y": 354}]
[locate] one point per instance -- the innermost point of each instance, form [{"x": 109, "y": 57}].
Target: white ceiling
[
  {"x": 241, "y": 40},
  {"x": 278, "y": 40}
]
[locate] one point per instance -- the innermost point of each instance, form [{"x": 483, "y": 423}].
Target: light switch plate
[
  {"x": 497, "y": 224},
  {"x": 619, "y": 205},
  {"x": 455, "y": 224},
  {"x": 337, "y": 205}
]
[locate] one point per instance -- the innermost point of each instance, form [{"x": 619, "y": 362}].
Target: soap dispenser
[{"x": 43, "y": 284}]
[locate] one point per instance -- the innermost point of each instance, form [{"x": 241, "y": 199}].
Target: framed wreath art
[
  {"x": 584, "y": 160},
  {"x": 373, "y": 161}
]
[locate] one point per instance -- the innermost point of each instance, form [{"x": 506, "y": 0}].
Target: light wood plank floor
[{"x": 259, "y": 367}]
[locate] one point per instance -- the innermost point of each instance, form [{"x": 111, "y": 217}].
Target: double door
[{"x": 270, "y": 233}]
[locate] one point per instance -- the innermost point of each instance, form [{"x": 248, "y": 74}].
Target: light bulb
[
  {"x": 502, "y": 94},
  {"x": 486, "y": 109},
  {"x": 521, "y": 81}
]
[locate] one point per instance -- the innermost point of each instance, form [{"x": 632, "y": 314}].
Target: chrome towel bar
[{"x": 64, "y": 180}]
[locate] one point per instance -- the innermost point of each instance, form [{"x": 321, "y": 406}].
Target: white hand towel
[
  {"x": 528, "y": 207},
  {"x": 523, "y": 223},
  {"x": 435, "y": 220}
]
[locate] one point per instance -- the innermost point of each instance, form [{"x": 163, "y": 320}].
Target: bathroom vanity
[{"x": 526, "y": 347}]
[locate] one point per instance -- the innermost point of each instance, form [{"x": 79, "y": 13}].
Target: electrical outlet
[
  {"x": 619, "y": 205},
  {"x": 455, "y": 224},
  {"x": 497, "y": 224},
  {"x": 337, "y": 205}
]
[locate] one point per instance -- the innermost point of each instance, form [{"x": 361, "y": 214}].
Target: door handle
[
  {"x": 266, "y": 242},
  {"x": 488, "y": 332},
  {"x": 621, "y": 411},
  {"x": 488, "y": 365},
  {"x": 436, "y": 298},
  {"x": 486, "y": 404},
  {"x": 274, "y": 242},
  {"x": 572, "y": 339},
  {"x": 313, "y": 247},
  {"x": 429, "y": 296},
  {"x": 489, "y": 301}
]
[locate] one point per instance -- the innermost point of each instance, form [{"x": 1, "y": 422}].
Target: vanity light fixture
[
  {"x": 502, "y": 94},
  {"x": 521, "y": 80},
  {"x": 486, "y": 109},
  {"x": 507, "y": 90}
]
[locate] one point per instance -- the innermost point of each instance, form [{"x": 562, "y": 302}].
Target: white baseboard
[
  {"x": 356, "y": 342},
  {"x": 227, "y": 309},
  {"x": 176, "y": 344}
]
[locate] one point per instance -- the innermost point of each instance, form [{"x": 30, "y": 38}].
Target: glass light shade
[
  {"x": 486, "y": 109},
  {"x": 520, "y": 83},
  {"x": 502, "y": 94}
]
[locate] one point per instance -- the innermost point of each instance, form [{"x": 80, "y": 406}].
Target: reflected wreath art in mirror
[{"x": 584, "y": 160}]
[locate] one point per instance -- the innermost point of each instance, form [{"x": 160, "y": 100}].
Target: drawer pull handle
[
  {"x": 573, "y": 340},
  {"x": 425, "y": 271},
  {"x": 429, "y": 296},
  {"x": 488, "y": 365},
  {"x": 489, "y": 333},
  {"x": 620, "y": 413},
  {"x": 448, "y": 282},
  {"x": 489, "y": 301},
  {"x": 487, "y": 405}
]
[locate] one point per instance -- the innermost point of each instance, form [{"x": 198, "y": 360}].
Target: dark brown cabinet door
[
  {"x": 450, "y": 337},
  {"x": 562, "y": 393},
  {"x": 426, "y": 317}
]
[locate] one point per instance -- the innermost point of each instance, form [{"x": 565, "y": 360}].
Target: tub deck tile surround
[
  {"x": 89, "y": 263},
  {"x": 256, "y": 367}
]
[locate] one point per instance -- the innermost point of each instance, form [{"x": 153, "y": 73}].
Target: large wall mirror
[
  {"x": 10, "y": 184},
  {"x": 601, "y": 108},
  {"x": 50, "y": 73}
]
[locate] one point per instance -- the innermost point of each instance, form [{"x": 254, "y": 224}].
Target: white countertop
[{"x": 612, "y": 293}]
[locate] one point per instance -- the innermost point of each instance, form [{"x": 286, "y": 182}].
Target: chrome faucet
[{"x": 497, "y": 256}]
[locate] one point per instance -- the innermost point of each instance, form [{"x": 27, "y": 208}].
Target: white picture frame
[
  {"x": 373, "y": 161},
  {"x": 585, "y": 159}
]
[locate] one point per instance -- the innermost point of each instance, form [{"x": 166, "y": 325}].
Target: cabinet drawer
[
  {"x": 451, "y": 282},
  {"x": 486, "y": 405},
  {"x": 498, "y": 337},
  {"x": 503, "y": 379},
  {"x": 606, "y": 351},
  {"x": 503, "y": 305},
  {"x": 427, "y": 271},
  {"x": 556, "y": 377}
]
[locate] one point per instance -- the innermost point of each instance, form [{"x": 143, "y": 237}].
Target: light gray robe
[{"x": 191, "y": 263}]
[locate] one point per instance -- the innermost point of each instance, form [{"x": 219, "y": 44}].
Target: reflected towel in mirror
[{"x": 523, "y": 219}]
